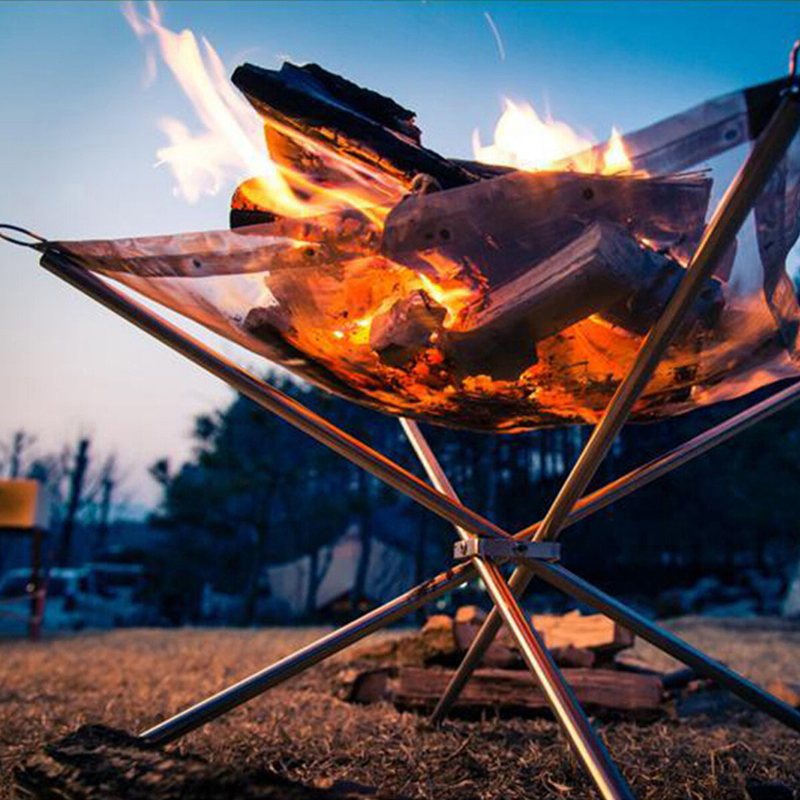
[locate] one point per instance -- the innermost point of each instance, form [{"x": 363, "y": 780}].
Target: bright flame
[
  {"x": 524, "y": 140},
  {"x": 615, "y": 158},
  {"x": 230, "y": 145}
]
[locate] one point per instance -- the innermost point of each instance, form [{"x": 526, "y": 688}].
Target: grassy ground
[{"x": 132, "y": 678}]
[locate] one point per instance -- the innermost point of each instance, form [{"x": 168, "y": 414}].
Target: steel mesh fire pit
[{"x": 508, "y": 301}]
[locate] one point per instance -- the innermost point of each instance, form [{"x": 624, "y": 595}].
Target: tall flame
[
  {"x": 231, "y": 146},
  {"x": 524, "y": 140},
  {"x": 231, "y": 142}
]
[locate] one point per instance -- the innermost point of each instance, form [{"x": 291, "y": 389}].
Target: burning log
[
  {"x": 360, "y": 123},
  {"x": 579, "y": 254},
  {"x": 603, "y": 271},
  {"x": 406, "y": 329},
  {"x": 505, "y": 224}
]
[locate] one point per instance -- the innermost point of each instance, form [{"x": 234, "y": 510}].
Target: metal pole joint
[{"x": 502, "y": 551}]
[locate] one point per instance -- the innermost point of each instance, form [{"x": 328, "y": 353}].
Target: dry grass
[{"x": 132, "y": 678}]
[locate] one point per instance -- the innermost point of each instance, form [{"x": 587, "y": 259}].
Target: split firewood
[
  {"x": 514, "y": 689},
  {"x": 593, "y": 632},
  {"x": 268, "y": 324},
  {"x": 541, "y": 272},
  {"x": 603, "y": 271},
  {"x": 506, "y": 224},
  {"x": 587, "y": 276},
  {"x": 400, "y": 334},
  {"x": 434, "y": 643},
  {"x": 357, "y": 122},
  {"x": 788, "y": 691}
]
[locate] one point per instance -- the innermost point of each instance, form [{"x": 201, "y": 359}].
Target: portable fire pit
[{"x": 481, "y": 297}]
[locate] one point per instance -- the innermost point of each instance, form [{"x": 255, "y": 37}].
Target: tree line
[{"x": 256, "y": 492}]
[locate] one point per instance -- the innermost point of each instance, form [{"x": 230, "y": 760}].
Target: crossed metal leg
[
  {"x": 570, "y": 715},
  {"x": 592, "y": 753},
  {"x": 567, "y": 508},
  {"x": 427, "y": 592}
]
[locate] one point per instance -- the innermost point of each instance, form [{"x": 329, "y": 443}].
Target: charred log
[
  {"x": 603, "y": 271},
  {"x": 504, "y": 225},
  {"x": 358, "y": 122}
]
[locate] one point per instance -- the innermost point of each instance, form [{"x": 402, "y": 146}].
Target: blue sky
[{"x": 78, "y": 138}]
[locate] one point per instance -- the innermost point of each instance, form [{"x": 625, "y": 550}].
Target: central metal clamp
[{"x": 503, "y": 550}]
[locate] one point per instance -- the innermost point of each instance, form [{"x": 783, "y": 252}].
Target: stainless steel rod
[
  {"x": 417, "y": 597},
  {"x": 588, "y": 747},
  {"x": 580, "y": 589},
  {"x": 719, "y": 236},
  {"x": 677, "y": 457},
  {"x": 306, "y": 657},
  {"x": 266, "y": 396}
]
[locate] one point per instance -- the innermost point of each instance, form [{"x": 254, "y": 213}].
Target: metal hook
[{"x": 38, "y": 243}]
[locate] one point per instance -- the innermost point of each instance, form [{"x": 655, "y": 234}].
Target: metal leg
[
  {"x": 424, "y": 593},
  {"x": 719, "y": 236},
  {"x": 580, "y": 589},
  {"x": 588, "y": 747},
  {"x": 306, "y": 657}
]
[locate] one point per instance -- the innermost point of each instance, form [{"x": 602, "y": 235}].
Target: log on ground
[{"x": 500, "y": 689}]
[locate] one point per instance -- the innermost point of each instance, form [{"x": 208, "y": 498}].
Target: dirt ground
[{"x": 130, "y": 679}]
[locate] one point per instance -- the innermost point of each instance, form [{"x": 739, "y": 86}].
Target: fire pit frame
[{"x": 568, "y": 507}]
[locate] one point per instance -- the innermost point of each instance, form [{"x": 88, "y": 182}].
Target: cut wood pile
[{"x": 413, "y": 671}]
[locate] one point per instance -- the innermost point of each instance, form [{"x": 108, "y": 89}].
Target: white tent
[{"x": 389, "y": 572}]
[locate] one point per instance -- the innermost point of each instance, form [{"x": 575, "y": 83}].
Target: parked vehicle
[
  {"x": 120, "y": 589},
  {"x": 70, "y": 601}
]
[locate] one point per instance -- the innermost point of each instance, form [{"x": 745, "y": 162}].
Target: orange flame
[
  {"x": 230, "y": 144},
  {"x": 524, "y": 140}
]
